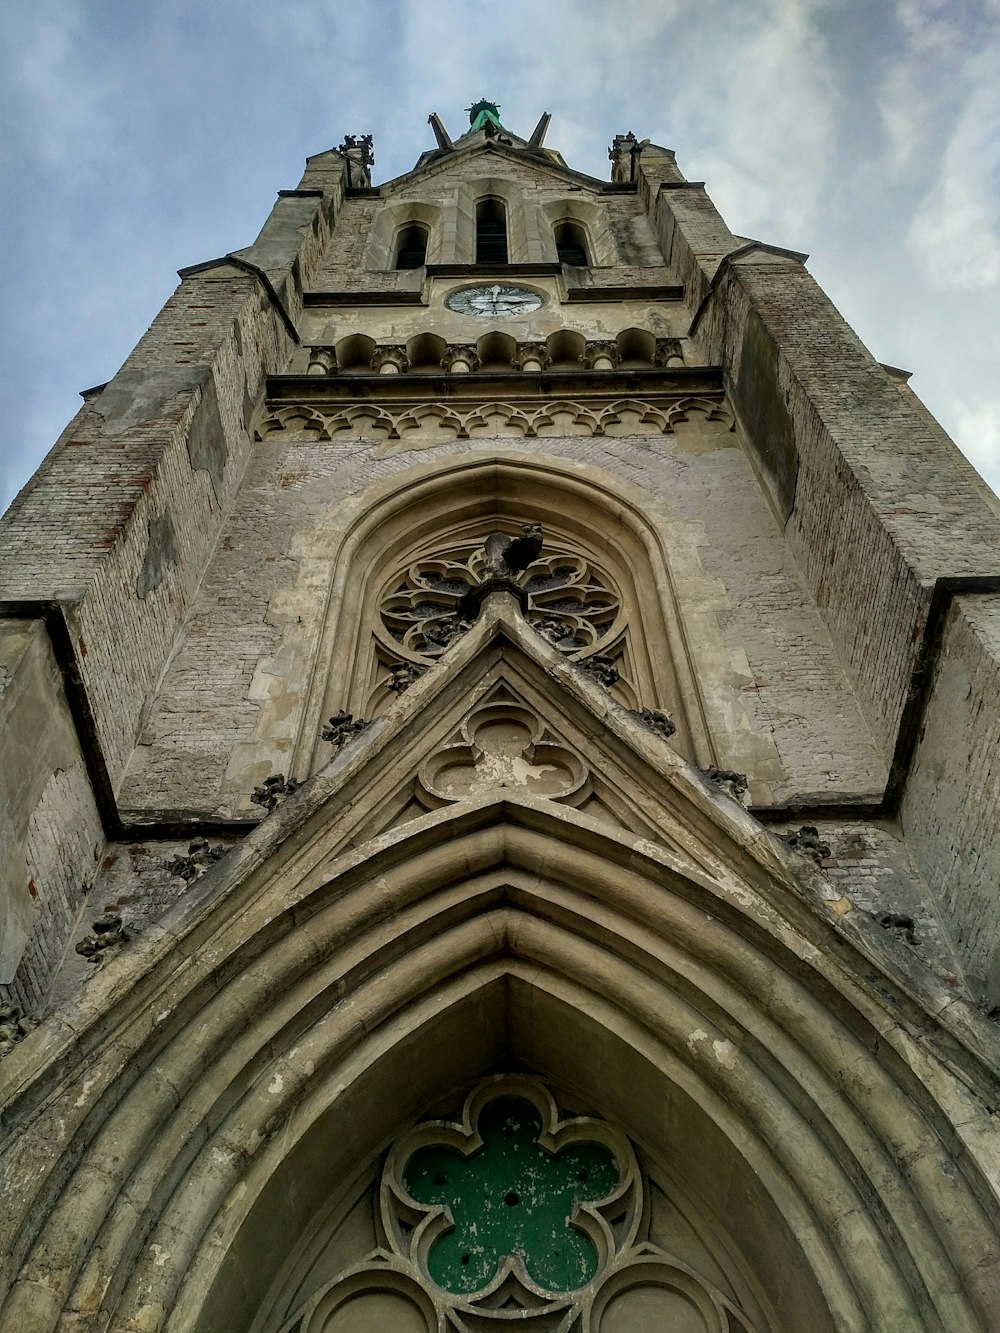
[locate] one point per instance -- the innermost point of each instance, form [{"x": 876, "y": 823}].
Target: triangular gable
[
  {"x": 442, "y": 160},
  {"x": 357, "y": 935}
]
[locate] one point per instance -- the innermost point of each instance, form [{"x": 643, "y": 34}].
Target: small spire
[
  {"x": 538, "y": 133},
  {"x": 440, "y": 133}
]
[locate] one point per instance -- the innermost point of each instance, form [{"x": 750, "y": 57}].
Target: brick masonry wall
[
  {"x": 50, "y": 832},
  {"x": 872, "y": 870},
  {"x": 123, "y": 514},
  {"x": 117, "y": 526},
  {"x": 952, "y": 801},
  {"x": 881, "y": 504}
]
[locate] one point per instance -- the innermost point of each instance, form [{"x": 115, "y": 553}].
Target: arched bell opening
[
  {"x": 491, "y": 232},
  {"x": 571, "y": 244},
  {"x": 343, "y": 997},
  {"x": 410, "y": 249}
]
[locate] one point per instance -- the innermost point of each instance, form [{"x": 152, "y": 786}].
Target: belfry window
[
  {"x": 571, "y": 244},
  {"x": 491, "y": 232},
  {"x": 411, "y": 246}
]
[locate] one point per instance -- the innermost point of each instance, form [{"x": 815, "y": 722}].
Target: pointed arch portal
[{"x": 658, "y": 960}]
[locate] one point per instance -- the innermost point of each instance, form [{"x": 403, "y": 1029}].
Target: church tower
[{"x": 501, "y": 719}]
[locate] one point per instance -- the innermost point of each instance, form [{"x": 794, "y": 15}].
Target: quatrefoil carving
[{"x": 504, "y": 745}]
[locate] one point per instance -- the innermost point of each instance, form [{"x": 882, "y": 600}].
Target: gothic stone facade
[{"x": 501, "y": 698}]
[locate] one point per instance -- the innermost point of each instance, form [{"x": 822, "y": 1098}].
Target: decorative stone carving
[
  {"x": 322, "y": 361},
  {"x": 807, "y": 841},
  {"x": 898, "y": 921},
  {"x": 107, "y": 933},
  {"x": 443, "y": 421},
  {"x": 357, "y": 148},
  {"x": 503, "y": 743},
  {"x": 272, "y": 791},
  {"x": 513, "y": 1214},
  {"x": 402, "y": 677},
  {"x": 657, "y": 721},
  {"x": 729, "y": 781},
  {"x": 460, "y": 359},
  {"x": 503, "y": 559},
  {"x": 440, "y": 633},
  {"x": 390, "y": 360},
  {"x": 601, "y": 355},
  {"x": 568, "y": 594},
  {"x": 603, "y": 670},
  {"x": 620, "y": 154},
  {"x": 531, "y": 356},
  {"x": 555, "y": 630},
  {"x": 198, "y": 859},
  {"x": 668, "y": 352},
  {"x": 14, "y": 1027},
  {"x": 341, "y": 728}
]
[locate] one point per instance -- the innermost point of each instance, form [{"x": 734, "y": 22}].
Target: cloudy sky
[{"x": 142, "y": 137}]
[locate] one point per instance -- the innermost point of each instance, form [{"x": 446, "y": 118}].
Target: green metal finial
[{"x": 482, "y": 111}]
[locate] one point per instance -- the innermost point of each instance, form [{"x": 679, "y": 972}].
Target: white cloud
[
  {"x": 977, "y": 434},
  {"x": 955, "y": 232},
  {"x": 68, "y": 104},
  {"x": 769, "y": 138}
]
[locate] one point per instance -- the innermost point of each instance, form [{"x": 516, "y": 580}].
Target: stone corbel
[
  {"x": 668, "y": 352},
  {"x": 390, "y": 360},
  {"x": 602, "y": 355},
  {"x": 530, "y": 356},
  {"x": 322, "y": 361},
  {"x": 459, "y": 360}
]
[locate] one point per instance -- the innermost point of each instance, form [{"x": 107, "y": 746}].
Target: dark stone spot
[
  {"x": 440, "y": 1178},
  {"x": 161, "y": 553},
  {"x": 584, "y": 1174},
  {"x": 466, "y": 1258},
  {"x": 511, "y": 1199}
]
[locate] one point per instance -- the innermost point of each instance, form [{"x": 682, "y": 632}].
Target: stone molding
[{"x": 624, "y": 416}]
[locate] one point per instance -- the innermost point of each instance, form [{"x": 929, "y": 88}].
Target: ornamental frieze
[{"x": 436, "y": 422}]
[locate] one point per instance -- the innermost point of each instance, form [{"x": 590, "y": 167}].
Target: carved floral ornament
[{"x": 515, "y": 1213}]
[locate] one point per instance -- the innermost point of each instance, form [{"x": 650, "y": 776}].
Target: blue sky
[{"x": 140, "y": 138}]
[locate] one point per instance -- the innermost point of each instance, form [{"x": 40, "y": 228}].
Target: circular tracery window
[{"x": 571, "y": 600}]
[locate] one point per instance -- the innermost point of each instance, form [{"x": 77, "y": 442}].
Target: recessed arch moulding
[
  {"x": 595, "y": 534},
  {"x": 301, "y": 1011}
]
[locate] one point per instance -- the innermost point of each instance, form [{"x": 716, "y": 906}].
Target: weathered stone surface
[{"x": 756, "y": 546}]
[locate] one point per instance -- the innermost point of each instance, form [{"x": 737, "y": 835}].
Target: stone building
[{"x": 500, "y": 707}]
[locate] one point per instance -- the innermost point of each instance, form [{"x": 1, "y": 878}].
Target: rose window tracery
[{"x": 571, "y": 601}]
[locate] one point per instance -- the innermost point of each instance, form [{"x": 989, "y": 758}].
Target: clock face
[{"x": 494, "y": 302}]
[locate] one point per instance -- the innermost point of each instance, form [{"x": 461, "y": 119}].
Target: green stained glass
[{"x": 512, "y": 1197}]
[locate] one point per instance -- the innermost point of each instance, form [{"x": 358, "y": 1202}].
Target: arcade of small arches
[{"x": 428, "y": 353}]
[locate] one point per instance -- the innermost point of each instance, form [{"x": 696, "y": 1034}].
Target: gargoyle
[{"x": 507, "y": 556}]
